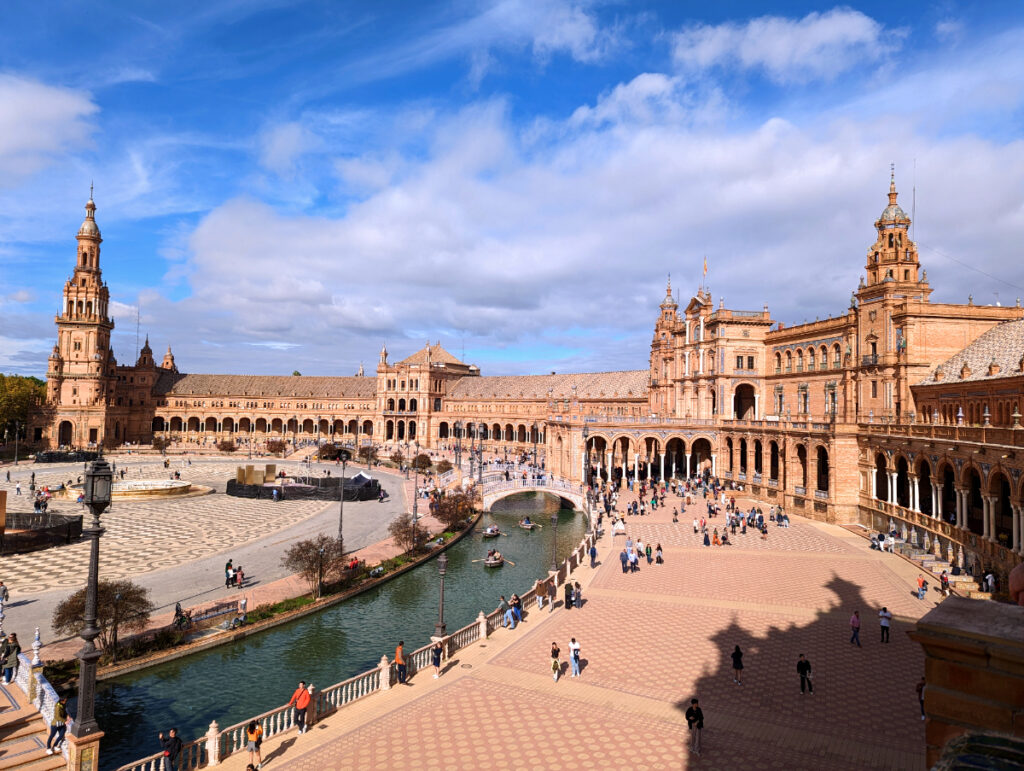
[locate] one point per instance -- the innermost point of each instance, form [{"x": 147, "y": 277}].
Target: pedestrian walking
[
  {"x": 577, "y": 595},
  {"x": 435, "y": 657},
  {"x": 593, "y": 555},
  {"x": 943, "y": 583},
  {"x": 5, "y": 595},
  {"x": 552, "y": 594},
  {"x": 254, "y": 738},
  {"x": 921, "y": 586},
  {"x": 737, "y": 666},
  {"x": 695, "y": 722},
  {"x": 624, "y": 559},
  {"x": 58, "y": 725},
  {"x": 920, "y": 695},
  {"x": 171, "y": 748},
  {"x": 884, "y": 619},
  {"x": 555, "y": 665},
  {"x": 803, "y": 668},
  {"x": 650, "y": 554},
  {"x": 400, "y": 658},
  {"x": 17, "y": 488},
  {"x": 574, "y": 657},
  {"x": 658, "y": 555},
  {"x": 568, "y": 595},
  {"x": 9, "y": 657},
  {"x": 855, "y": 628},
  {"x": 300, "y": 700}
]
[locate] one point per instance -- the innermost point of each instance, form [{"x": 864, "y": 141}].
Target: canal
[{"x": 236, "y": 681}]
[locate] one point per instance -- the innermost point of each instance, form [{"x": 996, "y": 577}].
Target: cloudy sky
[{"x": 286, "y": 185}]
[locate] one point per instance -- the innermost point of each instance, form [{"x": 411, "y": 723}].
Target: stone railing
[
  {"x": 37, "y": 688},
  {"x": 218, "y": 743},
  {"x": 976, "y": 547},
  {"x": 1010, "y": 437}
]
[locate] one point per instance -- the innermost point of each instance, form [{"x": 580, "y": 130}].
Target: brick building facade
[{"x": 896, "y": 406}]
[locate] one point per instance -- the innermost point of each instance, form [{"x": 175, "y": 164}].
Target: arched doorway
[
  {"x": 972, "y": 481},
  {"x": 1002, "y": 514},
  {"x": 389, "y": 430},
  {"x": 948, "y": 482},
  {"x": 743, "y": 456},
  {"x": 729, "y": 452},
  {"x": 743, "y": 402},
  {"x": 801, "y": 462},
  {"x": 158, "y": 424},
  {"x": 822, "y": 482},
  {"x": 902, "y": 483},
  {"x": 758, "y": 459},
  {"x": 881, "y": 478},
  {"x": 700, "y": 457},
  {"x": 924, "y": 488},
  {"x": 773, "y": 461}
]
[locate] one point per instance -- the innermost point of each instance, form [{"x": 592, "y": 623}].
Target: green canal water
[{"x": 234, "y": 682}]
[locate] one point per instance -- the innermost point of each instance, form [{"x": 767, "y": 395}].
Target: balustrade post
[
  {"x": 213, "y": 744},
  {"x": 385, "y": 673},
  {"x": 481, "y": 621}
]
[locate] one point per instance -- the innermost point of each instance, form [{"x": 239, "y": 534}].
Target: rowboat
[
  {"x": 490, "y": 562},
  {"x": 490, "y": 533},
  {"x": 527, "y": 525}
]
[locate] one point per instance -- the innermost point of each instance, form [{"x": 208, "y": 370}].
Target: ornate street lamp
[
  {"x": 440, "y": 630},
  {"x": 458, "y": 443},
  {"x": 536, "y": 431},
  {"x": 415, "y": 500},
  {"x": 341, "y": 498},
  {"x": 586, "y": 471},
  {"x": 554, "y": 542},
  {"x": 96, "y": 496}
]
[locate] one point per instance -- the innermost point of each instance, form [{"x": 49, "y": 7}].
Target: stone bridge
[{"x": 496, "y": 490}]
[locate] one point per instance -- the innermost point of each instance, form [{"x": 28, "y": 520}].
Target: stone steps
[{"x": 23, "y": 734}]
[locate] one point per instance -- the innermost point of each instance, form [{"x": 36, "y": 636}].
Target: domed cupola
[
  {"x": 89, "y": 227},
  {"x": 893, "y": 213}
]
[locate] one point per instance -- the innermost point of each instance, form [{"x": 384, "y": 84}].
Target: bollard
[
  {"x": 482, "y": 621},
  {"x": 213, "y": 744}
]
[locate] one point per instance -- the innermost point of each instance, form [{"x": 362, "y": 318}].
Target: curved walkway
[
  {"x": 651, "y": 640},
  {"x": 177, "y": 549}
]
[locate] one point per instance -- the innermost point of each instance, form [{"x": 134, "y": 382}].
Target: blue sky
[{"x": 288, "y": 185}]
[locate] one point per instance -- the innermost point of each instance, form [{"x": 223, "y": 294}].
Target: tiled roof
[
  {"x": 176, "y": 384},
  {"x": 438, "y": 355},
  {"x": 589, "y": 385},
  {"x": 1003, "y": 344}
]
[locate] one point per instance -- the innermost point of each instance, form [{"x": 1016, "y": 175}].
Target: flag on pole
[{"x": 705, "y": 264}]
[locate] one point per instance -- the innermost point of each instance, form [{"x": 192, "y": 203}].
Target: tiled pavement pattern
[
  {"x": 651, "y": 641},
  {"x": 143, "y": 536}
]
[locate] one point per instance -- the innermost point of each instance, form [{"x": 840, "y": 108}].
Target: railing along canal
[{"x": 219, "y": 744}]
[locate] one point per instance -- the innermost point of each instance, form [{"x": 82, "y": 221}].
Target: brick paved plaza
[{"x": 652, "y": 640}]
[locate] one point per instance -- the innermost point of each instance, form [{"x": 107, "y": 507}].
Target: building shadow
[{"x": 863, "y": 697}]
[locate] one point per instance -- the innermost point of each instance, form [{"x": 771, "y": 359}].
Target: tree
[
  {"x": 422, "y": 462},
  {"x": 397, "y": 458},
  {"x": 368, "y": 453},
  {"x": 454, "y": 509},
  {"x": 444, "y": 466},
  {"x": 317, "y": 560},
  {"x": 227, "y": 445},
  {"x": 120, "y": 606},
  {"x": 333, "y": 452},
  {"x": 276, "y": 446},
  {"x": 19, "y": 396},
  {"x": 296, "y": 373},
  {"x": 160, "y": 443},
  {"x": 405, "y": 535}
]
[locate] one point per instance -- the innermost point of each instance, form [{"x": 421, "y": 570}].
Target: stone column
[
  {"x": 609, "y": 466},
  {"x": 687, "y": 465},
  {"x": 700, "y": 356},
  {"x": 1015, "y": 529},
  {"x": 636, "y": 468},
  {"x": 714, "y": 465},
  {"x": 892, "y": 487},
  {"x": 662, "y": 457},
  {"x": 649, "y": 467},
  {"x": 937, "y": 501},
  {"x": 915, "y": 493},
  {"x": 874, "y": 483},
  {"x": 757, "y": 406},
  {"x": 961, "y": 513},
  {"x": 985, "y": 504}
]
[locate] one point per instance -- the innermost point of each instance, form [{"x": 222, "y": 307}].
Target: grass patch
[{"x": 269, "y": 611}]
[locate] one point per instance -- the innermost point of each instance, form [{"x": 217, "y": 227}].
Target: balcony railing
[
  {"x": 869, "y": 361},
  {"x": 800, "y": 490}
]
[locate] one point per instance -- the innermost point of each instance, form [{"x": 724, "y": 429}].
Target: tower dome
[
  {"x": 89, "y": 227},
  {"x": 893, "y": 212}
]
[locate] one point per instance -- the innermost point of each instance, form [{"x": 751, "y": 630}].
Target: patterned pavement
[
  {"x": 650, "y": 641},
  {"x": 144, "y": 536}
]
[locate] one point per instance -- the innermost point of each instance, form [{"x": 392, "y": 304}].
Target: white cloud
[
  {"x": 280, "y": 146},
  {"x": 818, "y": 46},
  {"x": 949, "y": 30},
  {"x": 38, "y": 123}
]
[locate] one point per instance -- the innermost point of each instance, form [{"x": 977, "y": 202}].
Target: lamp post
[
  {"x": 17, "y": 428},
  {"x": 554, "y": 542},
  {"x": 440, "y": 630},
  {"x": 480, "y": 464},
  {"x": 97, "y": 487},
  {"x": 458, "y": 443},
  {"x": 408, "y": 460},
  {"x": 535, "y": 431},
  {"x": 415, "y": 500},
  {"x": 341, "y": 498}
]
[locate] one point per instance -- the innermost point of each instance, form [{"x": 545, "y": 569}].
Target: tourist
[
  {"x": 696, "y": 526},
  {"x": 649, "y": 553},
  {"x": 17, "y": 488},
  {"x": 593, "y": 555},
  {"x": 508, "y": 617},
  {"x": 920, "y": 695},
  {"x": 58, "y": 725},
  {"x": 921, "y": 586},
  {"x": 568, "y": 595},
  {"x": 555, "y": 665},
  {"x": 517, "y": 607},
  {"x": 658, "y": 555},
  {"x": 435, "y": 657},
  {"x": 5, "y": 595},
  {"x": 254, "y": 738},
  {"x": 634, "y": 561},
  {"x": 943, "y": 583},
  {"x": 855, "y": 628},
  {"x": 695, "y": 722},
  {"x": 172, "y": 749},
  {"x": 577, "y": 595},
  {"x": 624, "y": 559},
  {"x": 803, "y": 668},
  {"x": 884, "y": 619},
  {"x": 552, "y": 594},
  {"x": 9, "y": 657},
  {"x": 737, "y": 666},
  {"x": 228, "y": 573},
  {"x": 707, "y": 539},
  {"x": 574, "y": 657},
  {"x": 239, "y": 577},
  {"x": 715, "y": 540},
  {"x": 300, "y": 699}
]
